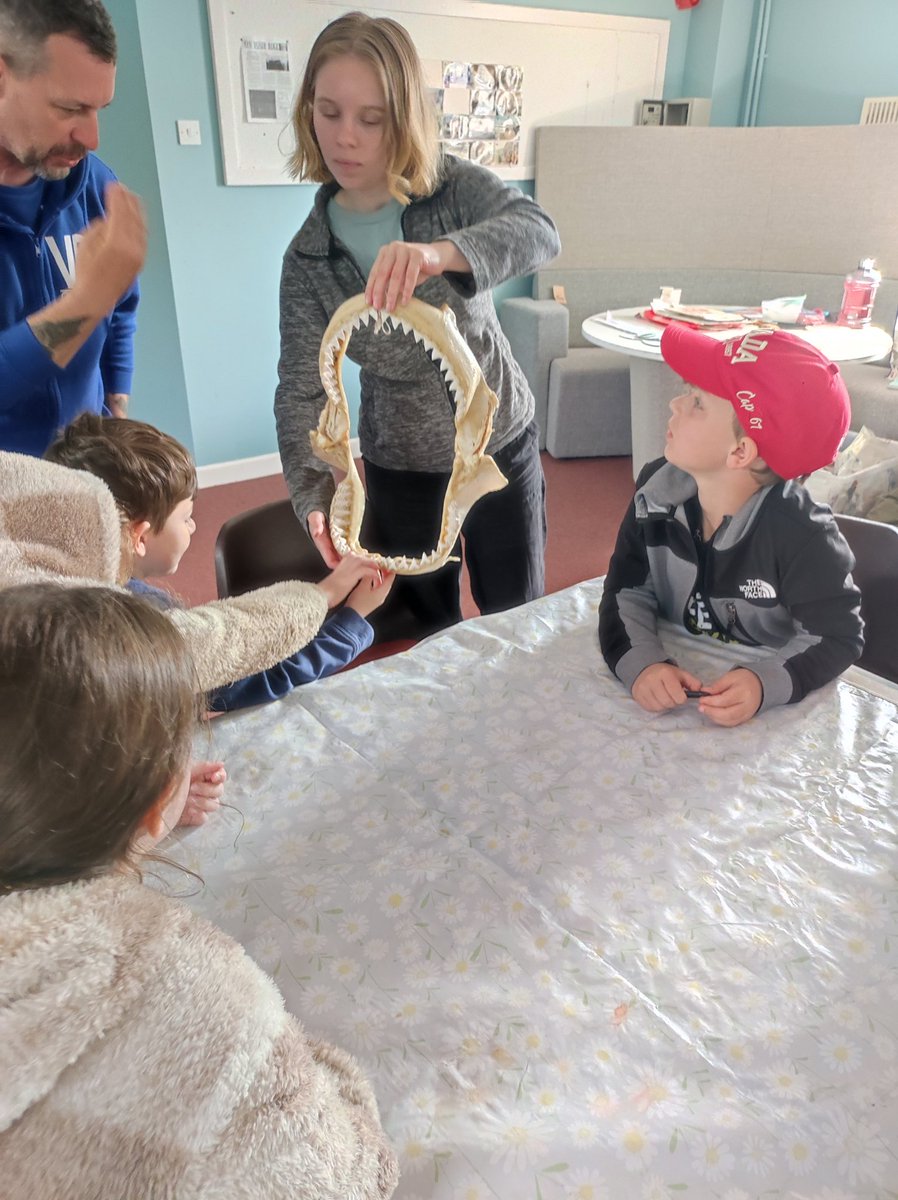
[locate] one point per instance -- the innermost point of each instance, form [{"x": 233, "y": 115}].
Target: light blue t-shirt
[{"x": 363, "y": 234}]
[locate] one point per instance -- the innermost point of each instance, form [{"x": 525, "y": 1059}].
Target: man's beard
[{"x": 37, "y": 162}]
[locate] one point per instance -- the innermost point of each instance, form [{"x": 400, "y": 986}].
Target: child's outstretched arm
[
  {"x": 370, "y": 594},
  {"x": 348, "y": 572},
  {"x": 229, "y": 639},
  {"x": 341, "y": 639}
]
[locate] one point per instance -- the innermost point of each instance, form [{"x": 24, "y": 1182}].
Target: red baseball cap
[{"x": 787, "y": 396}]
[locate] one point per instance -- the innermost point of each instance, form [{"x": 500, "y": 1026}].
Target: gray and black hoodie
[
  {"x": 777, "y": 574},
  {"x": 406, "y": 421}
]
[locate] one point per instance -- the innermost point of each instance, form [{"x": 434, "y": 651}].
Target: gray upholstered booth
[{"x": 730, "y": 216}]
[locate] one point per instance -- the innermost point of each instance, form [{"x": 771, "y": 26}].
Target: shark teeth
[
  {"x": 403, "y": 564},
  {"x": 474, "y": 473}
]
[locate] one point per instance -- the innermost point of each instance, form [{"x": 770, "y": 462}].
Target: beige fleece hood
[
  {"x": 143, "y": 1054},
  {"x": 63, "y": 526}
]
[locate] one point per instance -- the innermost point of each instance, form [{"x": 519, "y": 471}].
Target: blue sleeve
[
  {"x": 117, "y": 359},
  {"x": 342, "y": 638},
  {"x": 24, "y": 364},
  {"x": 157, "y": 596}
]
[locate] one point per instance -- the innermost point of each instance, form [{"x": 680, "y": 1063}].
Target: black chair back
[
  {"x": 875, "y": 547},
  {"x": 265, "y": 545},
  {"x": 269, "y": 545}
]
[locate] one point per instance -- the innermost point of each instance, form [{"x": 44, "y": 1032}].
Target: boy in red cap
[{"x": 723, "y": 538}]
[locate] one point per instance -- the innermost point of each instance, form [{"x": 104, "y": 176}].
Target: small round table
[{"x": 653, "y": 384}]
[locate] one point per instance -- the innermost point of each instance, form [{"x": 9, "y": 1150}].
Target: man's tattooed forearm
[{"x": 53, "y": 334}]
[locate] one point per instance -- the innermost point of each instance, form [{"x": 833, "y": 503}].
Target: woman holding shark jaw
[{"x": 395, "y": 217}]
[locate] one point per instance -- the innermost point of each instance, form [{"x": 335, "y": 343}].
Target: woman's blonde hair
[
  {"x": 97, "y": 717},
  {"x": 411, "y": 118}
]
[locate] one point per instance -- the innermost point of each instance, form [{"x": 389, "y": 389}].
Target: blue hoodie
[{"x": 37, "y": 264}]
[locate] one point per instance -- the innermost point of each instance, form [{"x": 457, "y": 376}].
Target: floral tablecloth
[{"x": 584, "y": 952}]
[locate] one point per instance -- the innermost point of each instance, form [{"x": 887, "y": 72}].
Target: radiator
[{"x": 880, "y": 110}]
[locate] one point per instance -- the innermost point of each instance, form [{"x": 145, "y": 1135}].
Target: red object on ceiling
[{"x": 686, "y": 3}]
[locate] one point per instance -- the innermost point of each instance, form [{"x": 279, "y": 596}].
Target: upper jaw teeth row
[{"x": 384, "y": 323}]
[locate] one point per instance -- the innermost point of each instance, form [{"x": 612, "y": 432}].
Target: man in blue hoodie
[{"x": 72, "y": 240}]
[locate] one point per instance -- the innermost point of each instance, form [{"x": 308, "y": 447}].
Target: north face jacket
[{"x": 777, "y": 573}]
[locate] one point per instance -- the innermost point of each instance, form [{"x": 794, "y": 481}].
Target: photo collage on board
[{"x": 480, "y": 107}]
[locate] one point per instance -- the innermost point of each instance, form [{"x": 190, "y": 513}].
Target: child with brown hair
[
  {"x": 64, "y": 526},
  {"x": 143, "y": 1053},
  {"x": 152, "y": 478}
]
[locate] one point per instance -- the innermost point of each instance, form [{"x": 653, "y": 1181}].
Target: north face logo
[{"x": 757, "y": 589}]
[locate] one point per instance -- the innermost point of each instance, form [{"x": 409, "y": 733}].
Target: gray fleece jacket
[{"x": 406, "y": 420}]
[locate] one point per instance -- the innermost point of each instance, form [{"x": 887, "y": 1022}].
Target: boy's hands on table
[
  {"x": 662, "y": 686},
  {"x": 732, "y": 699}
]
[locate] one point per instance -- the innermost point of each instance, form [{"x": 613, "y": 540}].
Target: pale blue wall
[
  {"x": 824, "y": 57},
  {"x": 215, "y": 261},
  {"x": 718, "y": 54},
  {"x": 731, "y": 66},
  {"x": 160, "y": 392},
  {"x": 701, "y": 49},
  {"x": 208, "y": 340},
  {"x": 225, "y": 244}
]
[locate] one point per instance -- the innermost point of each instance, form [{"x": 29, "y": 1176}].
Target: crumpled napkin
[{"x": 785, "y": 309}]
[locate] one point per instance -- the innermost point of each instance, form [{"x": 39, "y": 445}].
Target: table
[
  {"x": 653, "y": 385},
  {"x": 581, "y": 950}
]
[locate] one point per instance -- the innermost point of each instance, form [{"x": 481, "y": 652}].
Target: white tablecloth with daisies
[{"x": 583, "y": 952}]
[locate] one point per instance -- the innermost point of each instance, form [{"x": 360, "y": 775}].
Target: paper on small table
[{"x": 698, "y": 314}]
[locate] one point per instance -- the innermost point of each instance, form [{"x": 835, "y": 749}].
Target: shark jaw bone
[{"x": 474, "y": 472}]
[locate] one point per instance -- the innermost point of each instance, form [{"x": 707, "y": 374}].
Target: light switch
[{"x": 189, "y": 133}]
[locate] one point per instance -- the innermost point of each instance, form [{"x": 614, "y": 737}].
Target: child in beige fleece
[
  {"x": 64, "y": 525},
  {"x": 141, "y": 1052}
]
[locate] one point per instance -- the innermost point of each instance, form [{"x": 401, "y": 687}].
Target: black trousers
[{"x": 504, "y": 539}]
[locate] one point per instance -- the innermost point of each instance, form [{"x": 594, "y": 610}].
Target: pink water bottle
[{"x": 859, "y": 294}]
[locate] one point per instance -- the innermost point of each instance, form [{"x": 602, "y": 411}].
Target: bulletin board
[{"x": 525, "y": 67}]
